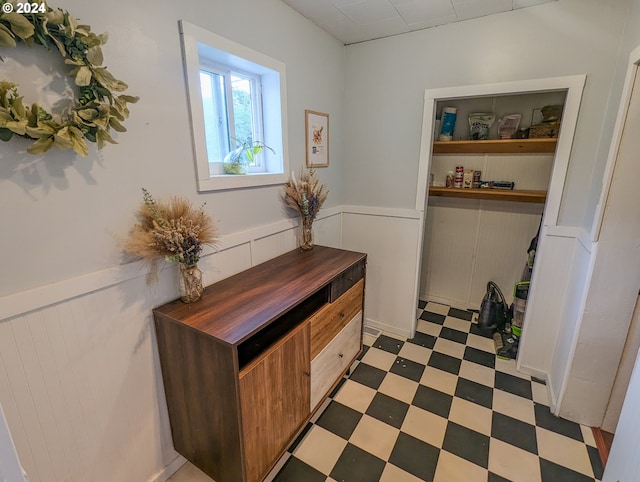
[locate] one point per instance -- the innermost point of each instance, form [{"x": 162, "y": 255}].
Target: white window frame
[{"x": 201, "y": 46}]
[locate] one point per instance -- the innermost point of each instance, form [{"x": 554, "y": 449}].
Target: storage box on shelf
[{"x": 245, "y": 367}]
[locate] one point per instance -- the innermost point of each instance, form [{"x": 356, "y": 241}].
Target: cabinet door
[{"x": 275, "y": 398}]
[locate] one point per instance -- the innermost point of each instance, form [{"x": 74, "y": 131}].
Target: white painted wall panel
[
  {"x": 392, "y": 267},
  {"x": 448, "y": 252},
  {"x": 545, "y": 306}
]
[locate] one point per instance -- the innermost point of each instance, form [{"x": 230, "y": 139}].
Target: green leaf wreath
[{"x": 101, "y": 105}]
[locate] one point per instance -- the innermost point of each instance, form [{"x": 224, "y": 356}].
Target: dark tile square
[
  {"x": 295, "y": 470},
  {"x": 514, "y": 432},
  {"x": 496, "y": 478},
  {"x": 462, "y": 314},
  {"x": 408, "y": 369},
  {"x": 339, "y": 419},
  {"x": 388, "y": 410},
  {"x": 365, "y": 349},
  {"x": 554, "y": 473},
  {"x": 545, "y": 419},
  {"x": 445, "y": 362},
  {"x": 433, "y": 317},
  {"x": 356, "y": 465},
  {"x": 299, "y": 438},
  {"x": 368, "y": 375},
  {"x": 515, "y": 385},
  {"x": 453, "y": 335},
  {"x": 422, "y": 339},
  {"x": 467, "y": 443},
  {"x": 596, "y": 462},
  {"x": 475, "y": 329},
  {"x": 421, "y": 304},
  {"x": 480, "y": 357},
  {"x": 415, "y": 456},
  {"x": 433, "y": 401},
  {"x": 474, "y": 392},
  {"x": 387, "y": 343}
]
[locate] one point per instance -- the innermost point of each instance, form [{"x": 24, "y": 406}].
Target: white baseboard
[
  {"x": 170, "y": 469},
  {"x": 459, "y": 304},
  {"x": 387, "y": 328}
]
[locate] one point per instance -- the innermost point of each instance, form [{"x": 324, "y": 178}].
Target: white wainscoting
[
  {"x": 554, "y": 303},
  {"x": 390, "y": 237},
  {"x": 80, "y": 382}
]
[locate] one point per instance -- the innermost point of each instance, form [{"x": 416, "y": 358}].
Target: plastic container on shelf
[{"x": 448, "y": 123}]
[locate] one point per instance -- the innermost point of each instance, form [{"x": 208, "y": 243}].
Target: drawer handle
[
  {"x": 342, "y": 314},
  {"x": 307, "y": 374},
  {"x": 350, "y": 279},
  {"x": 340, "y": 355}
]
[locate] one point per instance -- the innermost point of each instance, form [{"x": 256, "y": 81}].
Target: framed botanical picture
[{"x": 317, "y": 138}]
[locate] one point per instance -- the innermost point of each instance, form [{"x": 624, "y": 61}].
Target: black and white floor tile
[{"x": 439, "y": 407}]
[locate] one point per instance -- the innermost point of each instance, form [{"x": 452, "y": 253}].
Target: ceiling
[{"x": 353, "y": 21}]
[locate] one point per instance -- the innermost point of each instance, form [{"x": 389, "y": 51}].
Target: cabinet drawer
[
  {"x": 346, "y": 280},
  {"x": 333, "y": 317},
  {"x": 334, "y": 359}
]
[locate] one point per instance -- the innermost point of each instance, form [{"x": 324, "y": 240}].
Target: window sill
[{"x": 231, "y": 181}]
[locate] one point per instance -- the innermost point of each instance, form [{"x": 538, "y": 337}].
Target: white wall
[
  {"x": 68, "y": 214},
  {"x": 79, "y": 378},
  {"x": 386, "y": 80}
]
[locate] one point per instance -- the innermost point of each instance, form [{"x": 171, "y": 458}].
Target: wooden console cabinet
[{"x": 245, "y": 367}]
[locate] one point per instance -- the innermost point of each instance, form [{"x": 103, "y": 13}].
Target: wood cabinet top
[{"x": 233, "y": 309}]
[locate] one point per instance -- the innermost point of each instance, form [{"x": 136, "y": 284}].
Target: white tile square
[
  {"x": 440, "y": 380},
  {"x": 481, "y": 343},
  {"x": 471, "y": 415},
  {"x": 477, "y": 373},
  {"x": 392, "y": 473},
  {"x": 587, "y": 435},
  {"x": 540, "y": 393},
  {"x": 457, "y": 324},
  {"x": 437, "y": 308},
  {"x": 514, "y": 406},
  {"x": 415, "y": 353},
  {"x": 509, "y": 366},
  {"x": 425, "y": 426},
  {"x": 398, "y": 387},
  {"x": 320, "y": 449},
  {"x": 513, "y": 463},
  {"x": 450, "y": 348},
  {"x": 379, "y": 358},
  {"x": 429, "y": 328},
  {"x": 564, "y": 451},
  {"x": 452, "y": 468},
  {"x": 355, "y": 395},
  {"x": 375, "y": 437}
]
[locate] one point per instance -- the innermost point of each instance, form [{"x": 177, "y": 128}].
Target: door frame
[{"x": 573, "y": 85}]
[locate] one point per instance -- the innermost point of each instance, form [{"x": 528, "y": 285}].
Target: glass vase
[
  {"x": 306, "y": 236},
  {"x": 191, "y": 286}
]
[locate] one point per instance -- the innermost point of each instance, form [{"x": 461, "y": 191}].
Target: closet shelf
[
  {"x": 498, "y": 146},
  {"x": 522, "y": 196}
]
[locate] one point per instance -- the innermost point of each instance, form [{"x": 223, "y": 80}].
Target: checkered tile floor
[{"x": 439, "y": 407}]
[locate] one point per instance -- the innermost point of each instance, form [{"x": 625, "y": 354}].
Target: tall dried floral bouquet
[
  {"x": 306, "y": 196},
  {"x": 173, "y": 230}
]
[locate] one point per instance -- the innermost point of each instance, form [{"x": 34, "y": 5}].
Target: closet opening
[{"x": 479, "y": 233}]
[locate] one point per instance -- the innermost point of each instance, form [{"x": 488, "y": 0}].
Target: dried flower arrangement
[
  {"x": 176, "y": 232},
  {"x": 306, "y": 196}
]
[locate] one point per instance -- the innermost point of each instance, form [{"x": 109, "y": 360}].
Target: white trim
[
  {"x": 380, "y": 211},
  {"x": 170, "y": 469},
  {"x": 571, "y": 232},
  {"x": 394, "y": 330},
  {"x": 25, "y": 301},
  {"x": 632, "y": 71}
]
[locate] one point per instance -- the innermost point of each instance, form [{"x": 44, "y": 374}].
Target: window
[{"x": 235, "y": 94}]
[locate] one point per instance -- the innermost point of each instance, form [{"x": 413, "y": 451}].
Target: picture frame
[{"x": 317, "y": 138}]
